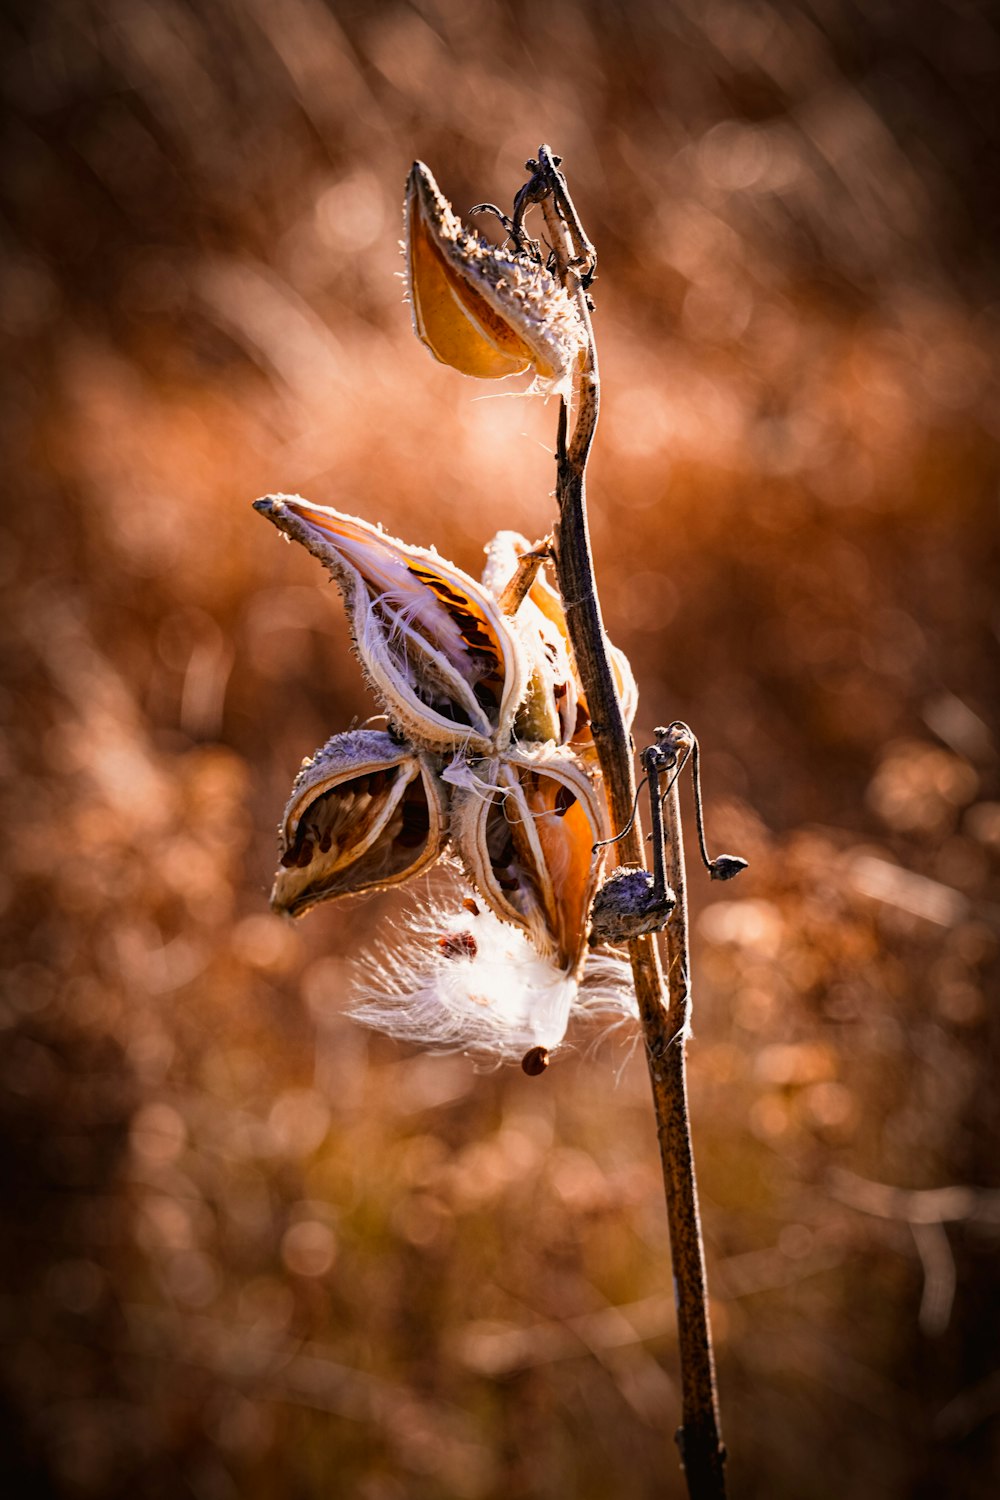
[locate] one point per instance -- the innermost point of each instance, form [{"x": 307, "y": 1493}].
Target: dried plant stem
[{"x": 663, "y": 1008}]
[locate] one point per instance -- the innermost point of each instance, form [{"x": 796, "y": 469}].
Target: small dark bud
[
  {"x": 726, "y": 866},
  {"x": 535, "y": 1061}
]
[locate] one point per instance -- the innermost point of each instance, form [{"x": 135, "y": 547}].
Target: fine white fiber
[
  {"x": 458, "y": 979},
  {"x": 463, "y": 775}
]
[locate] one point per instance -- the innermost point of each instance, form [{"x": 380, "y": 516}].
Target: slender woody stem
[{"x": 664, "y": 1011}]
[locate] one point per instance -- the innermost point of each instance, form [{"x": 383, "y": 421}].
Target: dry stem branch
[{"x": 664, "y": 1021}]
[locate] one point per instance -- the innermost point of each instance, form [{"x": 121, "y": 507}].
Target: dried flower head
[{"x": 486, "y": 311}]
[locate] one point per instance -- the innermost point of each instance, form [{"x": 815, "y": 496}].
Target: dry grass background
[{"x": 249, "y": 1250}]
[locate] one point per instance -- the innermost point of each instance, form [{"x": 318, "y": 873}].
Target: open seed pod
[
  {"x": 525, "y": 825},
  {"x": 548, "y": 710},
  {"x": 485, "y": 311},
  {"x": 543, "y": 617},
  {"x": 364, "y": 813},
  {"x": 436, "y": 647}
]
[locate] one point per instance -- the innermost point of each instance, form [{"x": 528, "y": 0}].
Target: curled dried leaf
[
  {"x": 485, "y": 311},
  {"x": 437, "y": 648},
  {"x": 364, "y": 813}
]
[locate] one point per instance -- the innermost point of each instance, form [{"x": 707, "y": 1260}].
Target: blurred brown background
[{"x": 248, "y": 1249}]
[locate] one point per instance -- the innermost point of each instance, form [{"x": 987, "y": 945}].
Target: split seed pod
[
  {"x": 550, "y": 707},
  {"x": 436, "y": 647},
  {"x": 485, "y": 311},
  {"x": 365, "y": 813},
  {"x": 543, "y": 617},
  {"x": 525, "y": 826}
]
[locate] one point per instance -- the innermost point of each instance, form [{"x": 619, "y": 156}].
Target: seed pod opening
[
  {"x": 485, "y": 311},
  {"x": 364, "y": 814},
  {"x": 525, "y": 831},
  {"x": 542, "y": 624},
  {"x": 437, "y": 649}
]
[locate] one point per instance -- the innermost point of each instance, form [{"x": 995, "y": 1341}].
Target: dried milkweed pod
[
  {"x": 525, "y": 826},
  {"x": 542, "y": 615},
  {"x": 548, "y": 708},
  {"x": 436, "y": 646},
  {"x": 364, "y": 813},
  {"x": 487, "y": 312},
  {"x": 550, "y": 605}
]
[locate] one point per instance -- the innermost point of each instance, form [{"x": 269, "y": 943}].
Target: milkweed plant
[
  {"x": 488, "y": 761},
  {"x": 506, "y": 759}
]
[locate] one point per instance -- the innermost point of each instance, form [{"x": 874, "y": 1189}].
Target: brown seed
[
  {"x": 470, "y": 905},
  {"x": 304, "y": 854},
  {"x": 458, "y": 945},
  {"x": 564, "y": 801},
  {"x": 535, "y": 1061}
]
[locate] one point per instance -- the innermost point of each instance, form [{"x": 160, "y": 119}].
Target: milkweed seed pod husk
[
  {"x": 438, "y": 651},
  {"x": 542, "y": 615},
  {"x": 525, "y": 825},
  {"x": 364, "y": 814},
  {"x": 548, "y": 710},
  {"x": 485, "y": 311}
]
